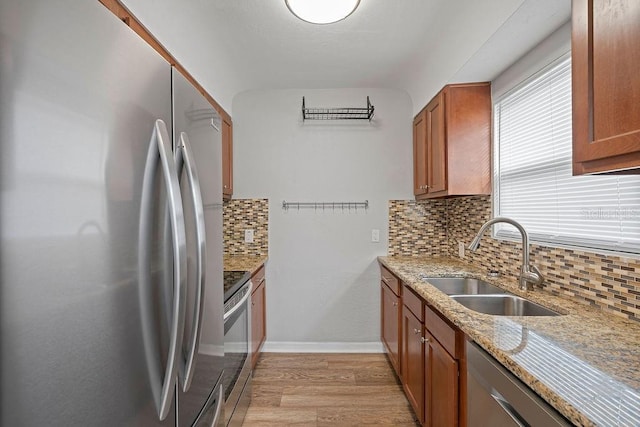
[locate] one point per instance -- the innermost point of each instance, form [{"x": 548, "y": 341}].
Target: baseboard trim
[{"x": 322, "y": 347}]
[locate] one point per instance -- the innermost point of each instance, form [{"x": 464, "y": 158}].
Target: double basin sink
[{"x": 483, "y": 297}]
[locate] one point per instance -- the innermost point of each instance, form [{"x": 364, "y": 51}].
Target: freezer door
[
  {"x": 195, "y": 126},
  {"x": 79, "y": 94}
]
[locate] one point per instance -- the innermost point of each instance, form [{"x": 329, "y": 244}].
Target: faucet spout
[{"x": 529, "y": 274}]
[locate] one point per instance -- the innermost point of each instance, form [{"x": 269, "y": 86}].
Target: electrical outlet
[
  {"x": 461, "y": 249},
  {"x": 248, "y": 236},
  {"x": 375, "y": 235}
]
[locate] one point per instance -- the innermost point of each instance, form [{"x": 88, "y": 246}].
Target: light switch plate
[
  {"x": 375, "y": 235},
  {"x": 248, "y": 236},
  {"x": 461, "y": 249}
]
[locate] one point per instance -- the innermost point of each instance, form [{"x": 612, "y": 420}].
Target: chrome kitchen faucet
[{"x": 529, "y": 274}]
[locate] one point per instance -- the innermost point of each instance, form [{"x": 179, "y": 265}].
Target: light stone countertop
[
  {"x": 250, "y": 263},
  {"x": 585, "y": 363}
]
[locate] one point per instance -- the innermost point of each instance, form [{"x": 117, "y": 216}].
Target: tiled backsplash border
[
  {"x": 246, "y": 214},
  {"x": 609, "y": 282}
]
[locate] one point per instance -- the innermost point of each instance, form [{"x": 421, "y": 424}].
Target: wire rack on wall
[
  {"x": 326, "y": 205},
  {"x": 338, "y": 113}
]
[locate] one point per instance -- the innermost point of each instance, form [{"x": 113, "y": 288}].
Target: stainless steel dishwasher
[{"x": 496, "y": 398}]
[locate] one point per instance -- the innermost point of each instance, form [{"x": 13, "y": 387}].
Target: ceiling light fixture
[{"x": 322, "y": 11}]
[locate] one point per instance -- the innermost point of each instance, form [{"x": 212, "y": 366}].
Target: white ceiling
[{"x": 412, "y": 45}]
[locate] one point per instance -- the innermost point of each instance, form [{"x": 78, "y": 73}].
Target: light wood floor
[{"x": 327, "y": 390}]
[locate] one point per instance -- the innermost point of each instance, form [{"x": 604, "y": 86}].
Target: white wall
[
  {"x": 322, "y": 274},
  {"x": 556, "y": 45}
]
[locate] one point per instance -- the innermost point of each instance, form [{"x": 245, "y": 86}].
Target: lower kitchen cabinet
[
  {"x": 258, "y": 315},
  {"x": 428, "y": 353},
  {"x": 413, "y": 362},
  {"x": 441, "y": 397},
  {"x": 443, "y": 385},
  {"x": 391, "y": 318}
]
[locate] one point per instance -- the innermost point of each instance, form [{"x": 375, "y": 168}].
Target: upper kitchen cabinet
[
  {"x": 227, "y": 159},
  {"x": 452, "y": 143},
  {"x": 606, "y": 86}
]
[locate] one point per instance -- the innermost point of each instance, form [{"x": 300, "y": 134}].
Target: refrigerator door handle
[
  {"x": 184, "y": 158},
  {"x": 163, "y": 389}
]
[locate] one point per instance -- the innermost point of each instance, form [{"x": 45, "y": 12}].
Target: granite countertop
[
  {"x": 250, "y": 263},
  {"x": 585, "y": 363}
]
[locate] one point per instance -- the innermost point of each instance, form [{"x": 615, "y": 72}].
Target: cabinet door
[
  {"x": 606, "y": 85},
  {"x": 436, "y": 145},
  {"x": 413, "y": 362},
  {"x": 420, "y": 154},
  {"x": 441, "y": 386},
  {"x": 258, "y": 321},
  {"x": 227, "y": 159},
  {"x": 391, "y": 319}
]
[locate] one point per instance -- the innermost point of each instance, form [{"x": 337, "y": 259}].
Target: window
[{"x": 533, "y": 173}]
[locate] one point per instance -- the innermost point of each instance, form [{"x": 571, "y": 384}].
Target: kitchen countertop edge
[{"x": 250, "y": 263}]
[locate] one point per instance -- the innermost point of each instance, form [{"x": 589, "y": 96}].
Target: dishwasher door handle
[{"x": 506, "y": 407}]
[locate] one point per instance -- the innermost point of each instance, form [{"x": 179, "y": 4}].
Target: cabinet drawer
[
  {"x": 447, "y": 335},
  {"x": 391, "y": 280},
  {"x": 258, "y": 277},
  {"x": 413, "y": 302}
]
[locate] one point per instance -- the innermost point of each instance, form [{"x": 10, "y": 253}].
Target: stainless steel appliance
[
  {"x": 496, "y": 398},
  {"x": 98, "y": 242},
  {"x": 198, "y": 148},
  {"x": 237, "y": 346}
]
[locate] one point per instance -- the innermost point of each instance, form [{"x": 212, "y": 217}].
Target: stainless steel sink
[
  {"x": 503, "y": 305},
  {"x": 463, "y": 286}
]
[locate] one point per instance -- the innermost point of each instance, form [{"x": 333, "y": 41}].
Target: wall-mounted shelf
[
  {"x": 326, "y": 205},
  {"x": 339, "y": 113}
]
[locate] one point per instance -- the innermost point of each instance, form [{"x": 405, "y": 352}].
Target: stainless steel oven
[{"x": 237, "y": 351}]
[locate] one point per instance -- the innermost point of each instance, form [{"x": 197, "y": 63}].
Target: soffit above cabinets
[{"x": 412, "y": 45}]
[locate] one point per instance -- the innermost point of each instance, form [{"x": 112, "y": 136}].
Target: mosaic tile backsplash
[
  {"x": 246, "y": 214},
  {"x": 417, "y": 228},
  {"x": 609, "y": 282}
]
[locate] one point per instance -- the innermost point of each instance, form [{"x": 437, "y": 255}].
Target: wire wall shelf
[
  {"x": 339, "y": 113},
  {"x": 348, "y": 206}
]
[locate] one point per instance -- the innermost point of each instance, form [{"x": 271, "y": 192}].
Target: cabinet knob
[
  {"x": 416, "y": 331},
  {"x": 226, "y": 186},
  {"x": 424, "y": 340},
  {"x": 395, "y": 304}
]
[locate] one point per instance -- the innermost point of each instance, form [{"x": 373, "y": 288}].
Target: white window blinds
[{"x": 533, "y": 177}]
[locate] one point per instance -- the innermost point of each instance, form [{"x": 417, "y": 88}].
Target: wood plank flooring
[{"x": 327, "y": 390}]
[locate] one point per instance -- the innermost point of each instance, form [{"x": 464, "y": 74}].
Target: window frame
[{"x": 510, "y": 234}]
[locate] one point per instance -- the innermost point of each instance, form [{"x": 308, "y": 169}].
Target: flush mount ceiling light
[{"x": 322, "y": 11}]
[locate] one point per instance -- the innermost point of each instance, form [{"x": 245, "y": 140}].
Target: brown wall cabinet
[
  {"x": 391, "y": 318},
  {"x": 227, "y": 159},
  {"x": 258, "y": 315},
  {"x": 605, "y": 45},
  {"x": 452, "y": 143}
]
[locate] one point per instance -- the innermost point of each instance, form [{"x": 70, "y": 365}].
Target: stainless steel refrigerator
[{"x": 108, "y": 263}]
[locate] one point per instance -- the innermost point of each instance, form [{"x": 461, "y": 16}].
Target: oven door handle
[{"x": 240, "y": 303}]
